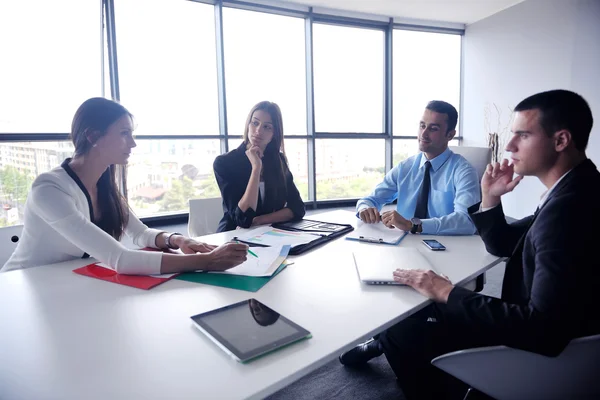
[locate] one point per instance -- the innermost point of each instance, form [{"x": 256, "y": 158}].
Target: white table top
[{"x": 67, "y": 336}]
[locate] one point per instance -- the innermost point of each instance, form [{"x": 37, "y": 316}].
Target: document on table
[
  {"x": 267, "y": 235},
  {"x": 376, "y": 233},
  {"x": 267, "y": 262}
]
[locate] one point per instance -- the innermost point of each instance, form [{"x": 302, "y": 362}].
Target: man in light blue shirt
[{"x": 432, "y": 199}]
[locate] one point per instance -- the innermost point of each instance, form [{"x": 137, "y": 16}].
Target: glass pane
[
  {"x": 167, "y": 65},
  {"x": 348, "y": 79},
  {"x": 348, "y": 168},
  {"x": 163, "y": 175},
  {"x": 404, "y": 148},
  {"x": 234, "y": 143},
  {"x": 20, "y": 163},
  {"x": 51, "y": 62},
  {"x": 264, "y": 60},
  {"x": 426, "y": 67},
  {"x": 296, "y": 153}
]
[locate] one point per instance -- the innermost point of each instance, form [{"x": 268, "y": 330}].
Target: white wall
[{"x": 534, "y": 46}]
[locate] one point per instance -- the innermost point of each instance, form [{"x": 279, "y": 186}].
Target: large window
[
  {"x": 348, "y": 79},
  {"x": 183, "y": 68},
  {"x": 50, "y": 62},
  {"x": 426, "y": 67},
  {"x": 348, "y": 168},
  {"x": 264, "y": 60},
  {"x": 167, "y": 66},
  {"x": 163, "y": 175},
  {"x": 20, "y": 163},
  {"x": 295, "y": 150},
  {"x": 403, "y": 149}
]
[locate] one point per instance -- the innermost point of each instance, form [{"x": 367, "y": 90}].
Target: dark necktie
[{"x": 421, "y": 209}]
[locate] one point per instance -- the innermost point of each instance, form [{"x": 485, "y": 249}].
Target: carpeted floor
[{"x": 334, "y": 381}]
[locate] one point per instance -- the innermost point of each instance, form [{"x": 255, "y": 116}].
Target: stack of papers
[
  {"x": 267, "y": 235},
  {"x": 268, "y": 261},
  {"x": 251, "y": 275}
]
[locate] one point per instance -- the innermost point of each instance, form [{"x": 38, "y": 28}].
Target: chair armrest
[{"x": 507, "y": 373}]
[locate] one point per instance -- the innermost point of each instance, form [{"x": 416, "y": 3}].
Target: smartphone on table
[{"x": 434, "y": 245}]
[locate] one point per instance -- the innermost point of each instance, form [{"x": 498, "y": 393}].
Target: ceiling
[{"x": 456, "y": 11}]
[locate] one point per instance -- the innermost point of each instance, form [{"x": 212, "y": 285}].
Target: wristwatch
[{"x": 416, "y": 223}]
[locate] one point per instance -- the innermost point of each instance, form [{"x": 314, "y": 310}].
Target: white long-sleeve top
[{"x": 57, "y": 227}]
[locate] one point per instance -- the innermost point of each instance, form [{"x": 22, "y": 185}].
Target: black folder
[{"x": 327, "y": 231}]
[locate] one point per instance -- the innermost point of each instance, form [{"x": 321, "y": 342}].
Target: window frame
[{"x": 386, "y": 25}]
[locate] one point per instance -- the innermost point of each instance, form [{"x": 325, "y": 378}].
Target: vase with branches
[{"x": 497, "y": 128}]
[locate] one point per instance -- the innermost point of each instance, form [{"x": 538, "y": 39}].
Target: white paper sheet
[
  {"x": 374, "y": 232},
  {"x": 277, "y": 237},
  {"x": 267, "y": 262}
]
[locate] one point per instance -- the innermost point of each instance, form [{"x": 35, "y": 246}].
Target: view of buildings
[{"x": 162, "y": 175}]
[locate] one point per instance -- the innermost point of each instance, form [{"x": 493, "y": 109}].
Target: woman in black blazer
[{"x": 256, "y": 184}]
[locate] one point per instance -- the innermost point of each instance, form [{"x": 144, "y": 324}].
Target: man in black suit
[{"x": 548, "y": 292}]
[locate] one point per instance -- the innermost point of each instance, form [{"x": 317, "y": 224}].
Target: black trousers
[{"x": 410, "y": 345}]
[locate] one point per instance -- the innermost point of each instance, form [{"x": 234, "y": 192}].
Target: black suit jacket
[
  {"x": 232, "y": 171},
  {"x": 549, "y": 292}
]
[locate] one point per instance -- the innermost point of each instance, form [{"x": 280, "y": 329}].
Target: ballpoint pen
[{"x": 235, "y": 240}]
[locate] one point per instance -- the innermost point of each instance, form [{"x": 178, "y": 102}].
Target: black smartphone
[{"x": 434, "y": 245}]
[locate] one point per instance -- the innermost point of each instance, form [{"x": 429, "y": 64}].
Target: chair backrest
[
  {"x": 9, "y": 237},
  {"x": 507, "y": 373},
  {"x": 478, "y": 157},
  {"x": 205, "y": 215}
]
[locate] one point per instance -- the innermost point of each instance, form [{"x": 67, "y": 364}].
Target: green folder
[{"x": 239, "y": 282}]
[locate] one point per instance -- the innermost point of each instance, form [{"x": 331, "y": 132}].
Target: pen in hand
[{"x": 235, "y": 240}]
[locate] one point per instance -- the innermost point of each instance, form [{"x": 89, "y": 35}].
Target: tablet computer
[{"x": 248, "y": 329}]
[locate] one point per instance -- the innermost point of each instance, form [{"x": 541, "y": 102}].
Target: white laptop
[{"x": 377, "y": 267}]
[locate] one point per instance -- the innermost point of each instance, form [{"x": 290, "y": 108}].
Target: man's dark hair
[
  {"x": 562, "y": 109},
  {"x": 442, "y": 107}
]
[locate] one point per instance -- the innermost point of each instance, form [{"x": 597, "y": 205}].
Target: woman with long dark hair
[
  {"x": 255, "y": 182},
  {"x": 77, "y": 210}
]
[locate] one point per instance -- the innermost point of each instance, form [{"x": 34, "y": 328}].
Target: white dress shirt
[
  {"x": 545, "y": 195},
  {"x": 57, "y": 227}
]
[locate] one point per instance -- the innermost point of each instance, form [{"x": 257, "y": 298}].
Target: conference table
[{"x": 67, "y": 336}]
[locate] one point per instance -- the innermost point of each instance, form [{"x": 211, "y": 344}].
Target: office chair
[
  {"x": 479, "y": 158},
  {"x": 505, "y": 373},
  {"x": 9, "y": 237},
  {"x": 205, "y": 215}
]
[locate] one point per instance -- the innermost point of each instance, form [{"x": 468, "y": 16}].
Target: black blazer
[
  {"x": 232, "y": 171},
  {"x": 549, "y": 292}
]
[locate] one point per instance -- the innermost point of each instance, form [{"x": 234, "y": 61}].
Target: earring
[{"x": 94, "y": 145}]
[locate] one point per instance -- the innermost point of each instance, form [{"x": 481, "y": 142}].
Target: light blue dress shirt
[{"x": 454, "y": 188}]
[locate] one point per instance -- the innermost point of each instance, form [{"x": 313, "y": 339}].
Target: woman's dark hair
[
  {"x": 91, "y": 122},
  {"x": 275, "y": 166}
]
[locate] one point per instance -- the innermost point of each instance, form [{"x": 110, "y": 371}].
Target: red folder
[{"x": 138, "y": 281}]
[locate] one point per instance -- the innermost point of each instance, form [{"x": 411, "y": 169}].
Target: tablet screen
[{"x": 249, "y": 328}]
